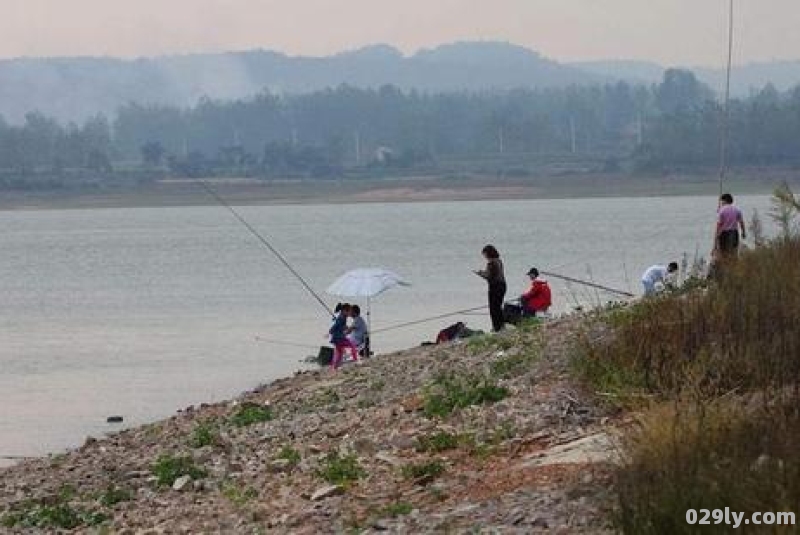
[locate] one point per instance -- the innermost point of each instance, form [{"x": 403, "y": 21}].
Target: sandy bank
[{"x": 420, "y": 189}]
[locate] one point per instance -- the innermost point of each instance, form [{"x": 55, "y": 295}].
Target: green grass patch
[
  {"x": 251, "y": 413},
  {"x": 424, "y": 472},
  {"x": 510, "y": 366},
  {"x": 438, "y": 442},
  {"x": 204, "y": 434},
  {"x": 238, "y": 494},
  {"x": 397, "y": 509},
  {"x": 451, "y": 392},
  {"x": 114, "y": 495},
  {"x": 340, "y": 470},
  {"x": 290, "y": 454},
  {"x": 60, "y": 515},
  {"x": 168, "y": 468},
  {"x": 489, "y": 342}
]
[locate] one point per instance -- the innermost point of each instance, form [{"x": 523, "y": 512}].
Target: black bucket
[{"x": 325, "y": 356}]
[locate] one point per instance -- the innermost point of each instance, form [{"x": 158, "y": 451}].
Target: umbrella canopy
[{"x": 365, "y": 282}]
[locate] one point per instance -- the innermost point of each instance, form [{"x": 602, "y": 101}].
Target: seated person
[
  {"x": 357, "y": 331},
  {"x": 538, "y": 298}
]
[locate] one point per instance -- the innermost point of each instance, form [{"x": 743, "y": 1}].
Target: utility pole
[
  {"x": 358, "y": 147},
  {"x": 725, "y": 116},
  {"x": 639, "y": 129},
  {"x": 572, "y": 135},
  {"x": 501, "y": 139}
]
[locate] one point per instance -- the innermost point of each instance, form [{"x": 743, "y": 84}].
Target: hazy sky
[{"x": 686, "y": 32}]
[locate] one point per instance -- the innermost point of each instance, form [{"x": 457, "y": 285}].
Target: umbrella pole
[{"x": 368, "y": 348}]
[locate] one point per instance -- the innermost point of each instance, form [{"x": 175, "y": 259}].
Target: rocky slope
[{"x": 490, "y": 433}]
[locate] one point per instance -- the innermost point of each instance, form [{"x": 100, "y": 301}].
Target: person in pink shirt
[{"x": 729, "y": 221}]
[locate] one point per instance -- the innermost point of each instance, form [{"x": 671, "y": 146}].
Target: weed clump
[
  {"x": 168, "y": 468},
  {"x": 424, "y": 472},
  {"x": 340, "y": 470},
  {"x": 251, "y": 413},
  {"x": 451, "y": 392},
  {"x": 438, "y": 442},
  {"x": 397, "y": 509},
  {"x": 55, "y": 513},
  {"x": 290, "y": 454},
  {"x": 237, "y": 494},
  {"x": 114, "y": 495},
  {"x": 204, "y": 434}
]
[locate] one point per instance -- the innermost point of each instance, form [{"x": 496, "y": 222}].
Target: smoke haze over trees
[{"x": 71, "y": 89}]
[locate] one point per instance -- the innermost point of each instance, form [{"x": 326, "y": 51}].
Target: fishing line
[
  {"x": 284, "y": 343},
  {"x": 426, "y": 320},
  {"x": 483, "y": 307},
  {"x": 589, "y": 284},
  {"x": 266, "y": 243}
]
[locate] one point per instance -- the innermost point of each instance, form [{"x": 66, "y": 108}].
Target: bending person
[{"x": 657, "y": 274}]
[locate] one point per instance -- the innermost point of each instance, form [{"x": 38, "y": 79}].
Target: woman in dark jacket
[{"x": 497, "y": 285}]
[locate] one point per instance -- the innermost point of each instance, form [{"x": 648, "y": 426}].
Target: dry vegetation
[{"x": 715, "y": 371}]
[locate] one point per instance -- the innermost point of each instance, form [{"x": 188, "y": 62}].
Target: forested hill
[{"x": 71, "y": 89}]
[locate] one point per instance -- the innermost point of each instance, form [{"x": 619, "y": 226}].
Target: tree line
[{"x": 350, "y": 132}]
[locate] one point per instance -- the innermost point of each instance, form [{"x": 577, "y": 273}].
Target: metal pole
[{"x": 723, "y": 144}]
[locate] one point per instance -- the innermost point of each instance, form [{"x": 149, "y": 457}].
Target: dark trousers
[
  {"x": 497, "y": 293},
  {"x": 728, "y": 242}
]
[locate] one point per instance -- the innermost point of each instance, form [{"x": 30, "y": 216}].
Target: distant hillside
[
  {"x": 72, "y": 88},
  {"x": 632, "y": 71}
]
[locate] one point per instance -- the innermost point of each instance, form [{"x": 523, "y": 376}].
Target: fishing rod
[
  {"x": 589, "y": 284},
  {"x": 284, "y": 343},
  {"x": 426, "y": 320},
  {"x": 266, "y": 243}
]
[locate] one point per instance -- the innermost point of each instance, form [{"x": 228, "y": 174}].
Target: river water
[{"x": 139, "y": 312}]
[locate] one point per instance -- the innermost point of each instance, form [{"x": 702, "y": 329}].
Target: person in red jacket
[{"x": 538, "y": 299}]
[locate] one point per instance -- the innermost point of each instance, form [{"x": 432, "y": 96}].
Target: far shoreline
[{"x": 254, "y": 192}]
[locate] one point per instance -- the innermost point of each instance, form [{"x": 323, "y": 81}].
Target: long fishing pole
[
  {"x": 427, "y": 320},
  {"x": 284, "y": 343},
  {"x": 266, "y": 243},
  {"x": 723, "y": 143},
  {"x": 589, "y": 284}
]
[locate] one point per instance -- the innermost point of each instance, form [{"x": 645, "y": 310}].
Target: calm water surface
[{"x": 139, "y": 312}]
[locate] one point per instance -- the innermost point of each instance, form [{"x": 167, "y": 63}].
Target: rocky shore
[{"x": 489, "y": 434}]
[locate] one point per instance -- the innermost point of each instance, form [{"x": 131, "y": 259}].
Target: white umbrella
[{"x": 365, "y": 283}]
